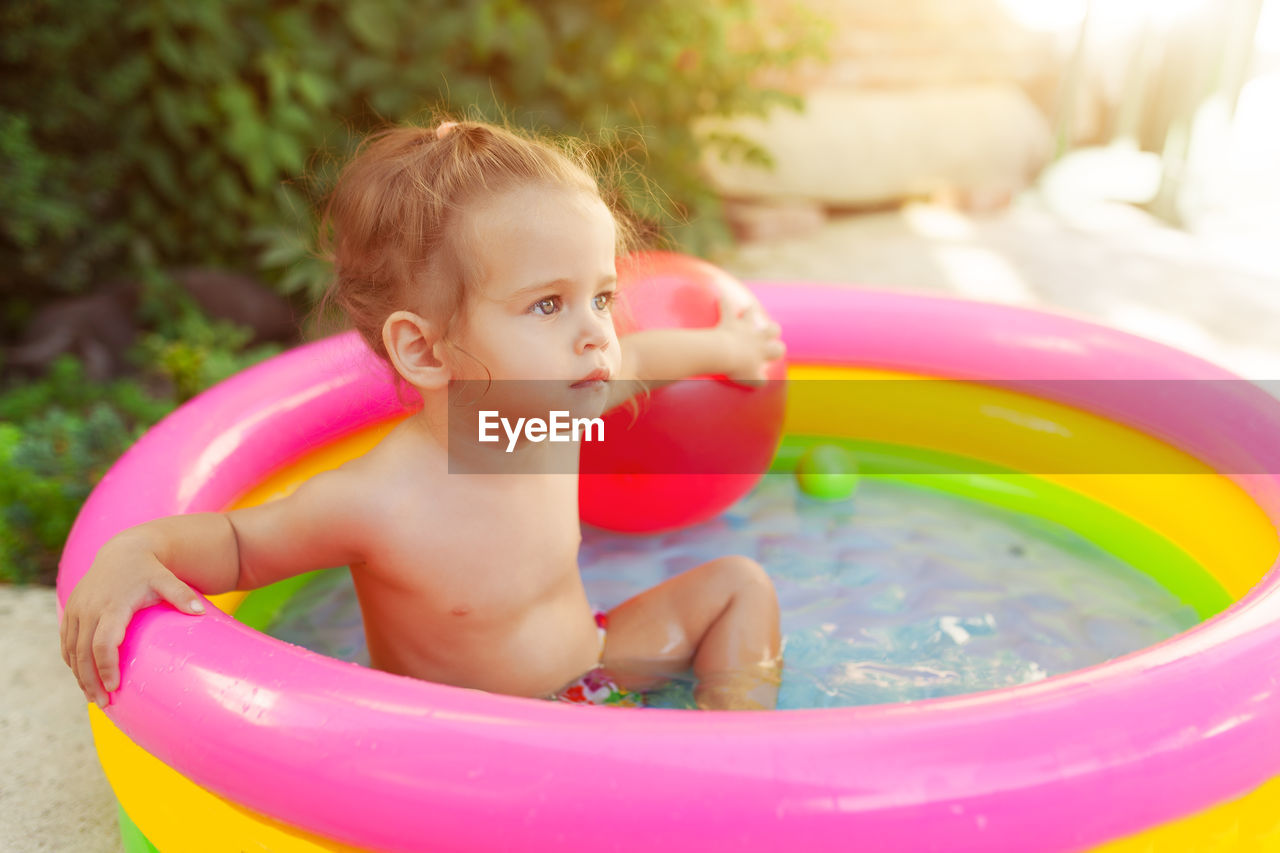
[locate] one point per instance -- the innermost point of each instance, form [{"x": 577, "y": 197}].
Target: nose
[{"x": 595, "y": 332}]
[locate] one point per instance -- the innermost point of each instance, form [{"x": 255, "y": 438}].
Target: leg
[{"x": 721, "y": 617}]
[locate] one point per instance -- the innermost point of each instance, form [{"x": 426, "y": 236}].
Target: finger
[
  {"x": 749, "y": 312},
  {"x": 734, "y": 312},
  {"x": 727, "y": 303},
  {"x": 68, "y": 631},
  {"x": 764, "y": 323},
  {"x": 106, "y": 648},
  {"x": 85, "y": 670},
  {"x": 735, "y": 304},
  {"x": 69, "y": 643},
  {"x": 178, "y": 594},
  {"x": 749, "y": 381},
  {"x": 71, "y": 662}
]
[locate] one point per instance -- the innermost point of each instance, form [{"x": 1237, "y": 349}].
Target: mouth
[{"x": 595, "y": 379}]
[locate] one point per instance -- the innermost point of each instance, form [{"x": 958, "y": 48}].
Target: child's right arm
[{"x": 171, "y": 559}]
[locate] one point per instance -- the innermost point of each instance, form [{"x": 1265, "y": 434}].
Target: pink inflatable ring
[{"x": 368, "y": 759}]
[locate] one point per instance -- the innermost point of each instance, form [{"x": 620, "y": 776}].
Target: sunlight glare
[{"x": 1058, "y": 15}]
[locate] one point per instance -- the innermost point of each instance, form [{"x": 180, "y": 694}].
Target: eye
[
  {"x": 604, "y": 301},
  {"x": 546, "y": 306}
]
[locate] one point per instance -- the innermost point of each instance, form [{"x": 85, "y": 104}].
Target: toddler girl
[{"x": 469, "y": 256}]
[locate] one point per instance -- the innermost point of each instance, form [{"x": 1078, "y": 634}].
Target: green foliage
[
  {"x": 198, "y": 353},
  {"x": 66, "y": 388},
  {"x": 59, "y": 435},
  {"x": 184, "y": 347},
  {"x": 136, "y": 137},
  {"x": 57, "y": 438},
  {"x": 209, "y": 130}
]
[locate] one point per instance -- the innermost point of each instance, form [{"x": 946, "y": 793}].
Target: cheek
[
  {"x": 614, "y": 352},
  {"x": 504, "y": 333},
  {"x": 521, "y": 337}
]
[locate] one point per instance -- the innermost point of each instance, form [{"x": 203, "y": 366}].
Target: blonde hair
[{"x": 389, "y": 226}]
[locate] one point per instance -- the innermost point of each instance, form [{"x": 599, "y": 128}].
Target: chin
[
  {"x": 587, "y": 404},
  {"x": 594, "y": 409}
]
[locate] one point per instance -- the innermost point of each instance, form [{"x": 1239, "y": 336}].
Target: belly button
[{"x": 461, "y": 610}]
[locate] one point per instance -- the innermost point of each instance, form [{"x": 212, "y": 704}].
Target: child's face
[{"x": 543, "y": 309}]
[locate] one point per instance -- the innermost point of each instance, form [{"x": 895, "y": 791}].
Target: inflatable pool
[{"x": 222, "y": 738}]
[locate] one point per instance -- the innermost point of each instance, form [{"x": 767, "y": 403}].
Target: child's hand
[
  {"x": 121, "y": 581},
  {"x": 751, "y": 338}
]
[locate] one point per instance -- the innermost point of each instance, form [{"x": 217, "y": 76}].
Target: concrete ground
[
  {"x": 1216, "y": 294},
  {"x": 53, "y": 796}
]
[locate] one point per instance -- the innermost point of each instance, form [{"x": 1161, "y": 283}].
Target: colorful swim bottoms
[{"x": 596, "y": 686}]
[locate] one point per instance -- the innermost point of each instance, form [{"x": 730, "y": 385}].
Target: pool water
[{"x": 899, "y": 594}]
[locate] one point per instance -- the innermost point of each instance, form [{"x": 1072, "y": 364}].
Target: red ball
[{"x": 697, "y": 445}]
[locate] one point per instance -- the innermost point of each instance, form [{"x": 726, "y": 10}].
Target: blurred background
[{"x": 160, "y": 164}]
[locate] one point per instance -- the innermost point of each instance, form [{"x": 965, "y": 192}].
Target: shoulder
[{"x": 399, "y": 480}]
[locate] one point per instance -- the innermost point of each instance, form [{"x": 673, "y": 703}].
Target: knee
[
  {"x": 743, "y": 575},
  {"x": 752, "y": 597}
]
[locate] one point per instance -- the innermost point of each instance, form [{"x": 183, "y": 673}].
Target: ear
[{"x": 414, "y": 348}]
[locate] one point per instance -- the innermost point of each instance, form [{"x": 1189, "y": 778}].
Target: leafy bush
[
  {"x": 199, "y": 354},
  {"x": 59, "y": 435},
  {"x": 188, "y": 126},
  {"x": 142, "y": 136},
  {"x": 57, "y": 438},
  {"x": 186, "y": 349},
  {"x": 66, "y": 388}
]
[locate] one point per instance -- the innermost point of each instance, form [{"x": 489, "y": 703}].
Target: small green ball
[{"x": 827, "y": 472}]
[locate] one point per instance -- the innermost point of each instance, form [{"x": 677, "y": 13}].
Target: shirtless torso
[{"x": 472, "y": 583}]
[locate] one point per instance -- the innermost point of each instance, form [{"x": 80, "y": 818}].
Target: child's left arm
[{"x": 739, "y": 348}]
